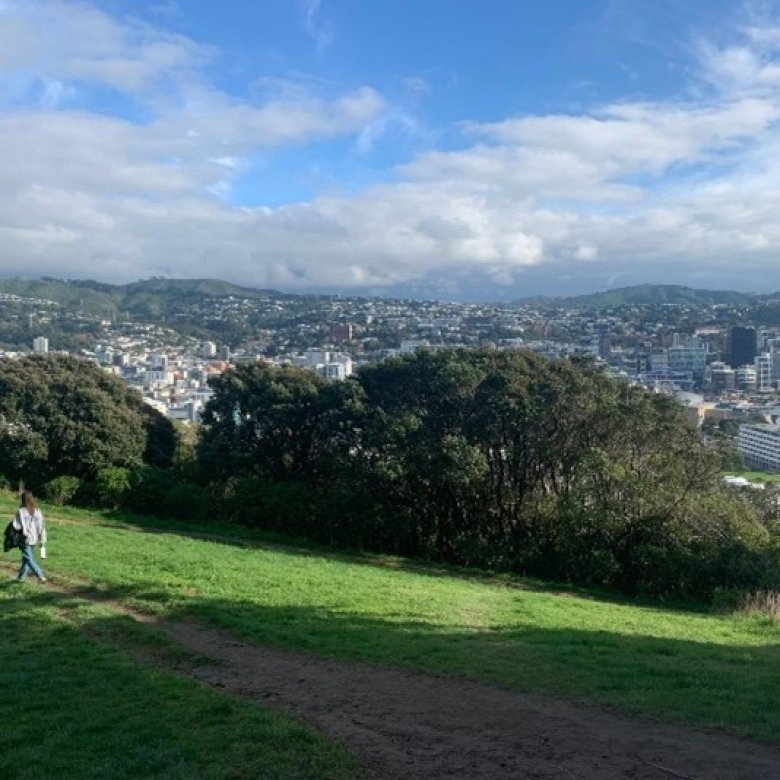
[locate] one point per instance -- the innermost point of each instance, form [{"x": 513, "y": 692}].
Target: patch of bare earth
[{"x": 408, "y": 726}]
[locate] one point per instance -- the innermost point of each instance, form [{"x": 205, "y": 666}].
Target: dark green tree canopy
[
  {"x": 278, "y": 423},
  {"x": 493, "y": 458},
  {"x": 63, "y": 415}
]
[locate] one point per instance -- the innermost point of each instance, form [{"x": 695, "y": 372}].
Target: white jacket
[{"x": 32, "y": 525}]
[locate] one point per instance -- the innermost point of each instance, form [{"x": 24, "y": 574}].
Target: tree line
[{"x": 495, "y": 459}]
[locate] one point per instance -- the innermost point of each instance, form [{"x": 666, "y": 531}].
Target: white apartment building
[
  {"x": 41, "y": 345},
  {"x": 746, "y": 378},
  {"x": 763, "y": 365},
  {"x": 759, "y": 446},
  {"x": 156, "y": 378}
]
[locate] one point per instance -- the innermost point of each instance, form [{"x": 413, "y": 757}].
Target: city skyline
[{"x": 439, "y": 151}]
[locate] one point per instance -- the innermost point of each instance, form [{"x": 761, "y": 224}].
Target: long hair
[{"x": 28, "y": 501}]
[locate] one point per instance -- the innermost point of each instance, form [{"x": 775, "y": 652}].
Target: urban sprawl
[{"x": 720, "y": 371}]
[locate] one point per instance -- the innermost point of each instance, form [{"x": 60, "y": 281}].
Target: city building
[
  {"x": 764, "y": 378},
  {"x": 742, "y": 346},
  {"x": 341, "y": 331},
  {"x": 690, "y": 358},
  {"x": 746, "y": 378},
  {"x": 721, "y": 377},
  {"x": 759, "y": 446},
  {"x": 601, "y": 341},
  {"x": 40, "y": 345}
]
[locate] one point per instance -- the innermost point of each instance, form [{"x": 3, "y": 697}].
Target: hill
[
  {"x": 149, "y": 297},
  {"x": 646, "y": 294}
]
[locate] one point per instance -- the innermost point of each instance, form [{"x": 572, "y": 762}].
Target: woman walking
[{"x": 29, "y": 520}]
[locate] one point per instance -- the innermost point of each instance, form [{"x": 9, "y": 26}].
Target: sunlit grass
[
  {"x": 73, "y": 707},
  {"x": 755, "y": 476},
  {"x": 680, "y": 664}
]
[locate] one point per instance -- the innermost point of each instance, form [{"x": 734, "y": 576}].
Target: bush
[
  {"x": 271, "y": 506},
  {"x": 148, "y": 490},
  {"x": 112, "y": 486},
  {"x": 187, "y": 501},
  {"x": 61, "y": 490}
]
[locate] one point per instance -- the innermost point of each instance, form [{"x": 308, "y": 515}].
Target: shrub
[
  {"x": 272, "y": 506},
  {"x": 112, "y": 486},
  {"x": 187, "y": 501},
  {"x": 61, "y": 490},
  {"x": 148, "y": 490}
]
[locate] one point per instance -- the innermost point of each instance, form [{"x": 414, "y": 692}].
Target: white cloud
[
  {"x": 320, "y": 32},
  {"x": 76, "y": 41},
  {"x": 630, "y": 190}
]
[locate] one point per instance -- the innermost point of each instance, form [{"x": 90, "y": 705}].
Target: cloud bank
[{"x": 119, "y": 156}]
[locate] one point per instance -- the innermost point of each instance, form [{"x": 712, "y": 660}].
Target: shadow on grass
[
  {"x": 731, "y": 687},
  {"x": 82, "y": 709}
]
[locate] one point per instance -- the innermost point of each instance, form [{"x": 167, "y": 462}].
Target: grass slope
[
  {"x": 681, "y": 665},
  {"x": 77, "y": 708}
]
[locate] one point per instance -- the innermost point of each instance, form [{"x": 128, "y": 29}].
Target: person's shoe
[{"x": 43, "y": 579}]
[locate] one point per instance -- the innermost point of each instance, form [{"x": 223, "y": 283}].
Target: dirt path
[{"x": 407, "y": 726}]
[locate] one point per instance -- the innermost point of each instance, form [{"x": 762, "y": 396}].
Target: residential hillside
[{"x": 649, "y": 294}]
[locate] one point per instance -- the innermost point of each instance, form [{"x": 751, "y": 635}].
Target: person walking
[{"x": 29, "y": 520}]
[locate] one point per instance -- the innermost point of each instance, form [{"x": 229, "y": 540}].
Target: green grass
[
  {"x": 680, "y": 665},
  {"x": 755, "y": 476},
  {"x": 73, "y": 707}
]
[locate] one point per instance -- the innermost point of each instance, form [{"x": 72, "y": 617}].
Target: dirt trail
[{"x": 407, "y": 726}]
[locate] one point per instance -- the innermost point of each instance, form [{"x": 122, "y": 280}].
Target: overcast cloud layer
[{"x": 686, "y": 190}]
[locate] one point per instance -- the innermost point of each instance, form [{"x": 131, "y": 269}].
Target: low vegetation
[{"x": 682, "y": 664}]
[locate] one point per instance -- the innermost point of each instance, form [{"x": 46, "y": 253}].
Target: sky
[{"x": 447, "y": 149}]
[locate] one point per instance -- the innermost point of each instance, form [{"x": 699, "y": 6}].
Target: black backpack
[{"x": 14, "y": 537}]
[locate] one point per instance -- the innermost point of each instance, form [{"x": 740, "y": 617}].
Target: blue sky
[{"x": 436, "y": 147}]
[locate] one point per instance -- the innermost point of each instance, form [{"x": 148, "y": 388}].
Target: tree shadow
[{"x": 729, "y": 687}]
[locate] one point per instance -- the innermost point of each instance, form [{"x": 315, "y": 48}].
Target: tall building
[
  {"x": 41, "y": 345},
  {"x": 601, "y": 340},
  {"x": 764, "y": 379},
  {"x": 742, "y": 346}
]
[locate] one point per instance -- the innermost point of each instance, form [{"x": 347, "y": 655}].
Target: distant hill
[
  {"x": 149, "y": 297},
  {"x": 646, "y": 294}
]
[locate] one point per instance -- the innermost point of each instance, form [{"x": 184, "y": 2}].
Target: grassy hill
[{"x": 641, "y": 658}]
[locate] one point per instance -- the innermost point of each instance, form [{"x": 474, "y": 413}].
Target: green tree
[
  {"x": 277, "y": 423},
  {"x": 62, "y": 415}
]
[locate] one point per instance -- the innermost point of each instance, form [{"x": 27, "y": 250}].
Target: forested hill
[
  {"x": 145, "y": 297},
  {"x": 648, "y": 294}
]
